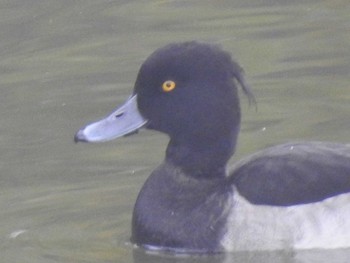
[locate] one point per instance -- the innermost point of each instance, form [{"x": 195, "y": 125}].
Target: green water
[{"x": 66, "y": 63}]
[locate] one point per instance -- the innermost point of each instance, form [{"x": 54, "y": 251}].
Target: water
[{"x": 66, "y": 63}]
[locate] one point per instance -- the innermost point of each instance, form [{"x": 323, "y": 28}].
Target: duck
[{"x": 293, "y": 196}]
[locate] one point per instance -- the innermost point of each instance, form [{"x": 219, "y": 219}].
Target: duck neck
[{"x": 201, "y": 158}]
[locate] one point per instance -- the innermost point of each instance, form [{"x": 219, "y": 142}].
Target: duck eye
[{"x": 168, "y": 85}]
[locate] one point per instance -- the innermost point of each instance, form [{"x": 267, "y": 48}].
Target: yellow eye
[{"x": 168, "y": 85}]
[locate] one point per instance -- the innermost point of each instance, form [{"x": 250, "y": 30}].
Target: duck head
[{"x": 188, "y": 91}]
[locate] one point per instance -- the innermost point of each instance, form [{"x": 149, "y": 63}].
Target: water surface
[{"x": 66, "y": 63}]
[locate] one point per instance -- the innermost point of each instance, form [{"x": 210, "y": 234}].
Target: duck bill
[{"x": 123, "y": 121}]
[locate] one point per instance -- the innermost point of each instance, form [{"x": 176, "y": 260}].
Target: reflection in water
[
  {"x": 141, "y": 256},
  {"x": 319, "y": 256}
]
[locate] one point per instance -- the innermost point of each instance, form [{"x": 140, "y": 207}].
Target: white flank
[{"x": 320, "y": 225}]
